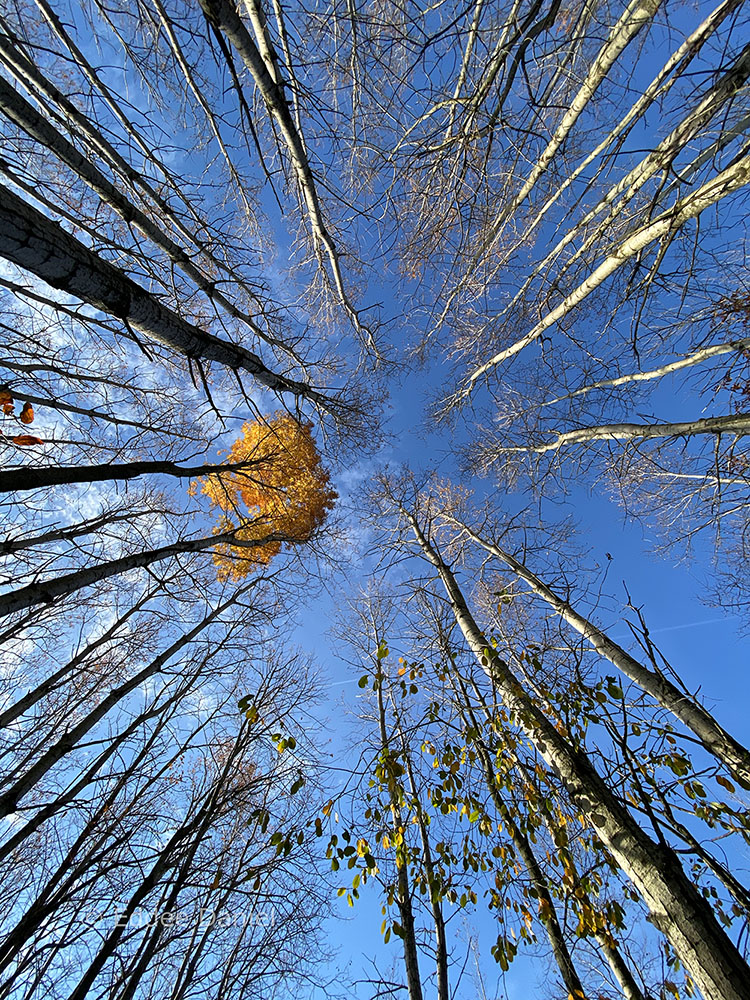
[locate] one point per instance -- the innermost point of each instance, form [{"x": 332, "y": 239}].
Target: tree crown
[{"x": 283, "y": 490}]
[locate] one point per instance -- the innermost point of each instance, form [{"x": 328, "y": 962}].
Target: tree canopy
[
  {"x": 474, "y": 277},
  {"x": 280, "y": 487}
]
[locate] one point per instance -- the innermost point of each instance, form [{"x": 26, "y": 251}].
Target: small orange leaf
[
  {"x": 7, "y": 408},
  {"x": 27, "y": 414},
  {"x": 26, "y": 440},
  {"x": 5, "y": 397}
]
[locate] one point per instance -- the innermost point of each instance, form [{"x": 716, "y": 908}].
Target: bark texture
[
  {"x": 676, "y": 907},
  {"x": 32, "y": 241}
]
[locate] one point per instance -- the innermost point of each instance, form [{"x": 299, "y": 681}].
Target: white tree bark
[
  {"x": 657, "y": 160},
  {"x": 635, "y": 16},
  {"x": 734, "y": 423},
  {"x": 676, "y": 907},
  {"x": 224, "y": 15},
  {"x": 696, "y": 358},
  {"x": 715, "y": 739},
  {"x": 732, "y": 179}
]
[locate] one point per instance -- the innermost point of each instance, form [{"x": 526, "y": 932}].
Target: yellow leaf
[{"x": 284, "y": 489}]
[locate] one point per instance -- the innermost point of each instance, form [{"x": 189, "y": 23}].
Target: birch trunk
[
  {"x": 732, "y": 179},
  {"x": 32, "y": 241},
  {"x": 637, "y": 14},
  {"x": 634, "y": 18},
  {"x": 715, "y": 739},
  {"x": 676, "y": 907},
  {"x": 696, "y": 358},
  {"x": 224, "y": 15},
  {"x": 734, "y": 423},
  {"x": 619, "y": 967},
  {"x": 717, "y": 97},
  {"x": 61, "y": 586},
  {"x": 674, "y": 67}
]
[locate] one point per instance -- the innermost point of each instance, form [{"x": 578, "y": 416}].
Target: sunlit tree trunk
[
  {"x": 734, "y": 423},
  {"x": 676, "y": 907},
  {"x": 691, "y": 714}
]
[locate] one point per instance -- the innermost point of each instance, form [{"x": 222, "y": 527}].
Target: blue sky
[{"x": 704, "y": 646}]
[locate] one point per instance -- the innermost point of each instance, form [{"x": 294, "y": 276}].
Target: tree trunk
[
  {"x": 731, "y": 179},
  {"x": 403, "y": 897},
  {"x": 441, "y": 946},
  {"x": 560, "y": 950},
  {"x": 11, "y": 797},
  {"x": 715, "y": 739},
  {"x": 676, "y": 907},
  {"x": 32, "y": 241},
  {"x": 61, "y": 586},
  {"x": 27, "y": 118},
  {"x": 28, "y": 478},
  {"x": 49, "y": 684},
  {"x": 733, "y": 423},
  {"x": 695, "y": 358},
  {"x": 223, "y": 15}
]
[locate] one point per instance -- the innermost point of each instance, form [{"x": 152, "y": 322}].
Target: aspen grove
[{"x": 341, "y": 344}]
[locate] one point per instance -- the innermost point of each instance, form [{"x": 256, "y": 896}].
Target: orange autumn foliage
[{"x": 285, "y": 489}]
